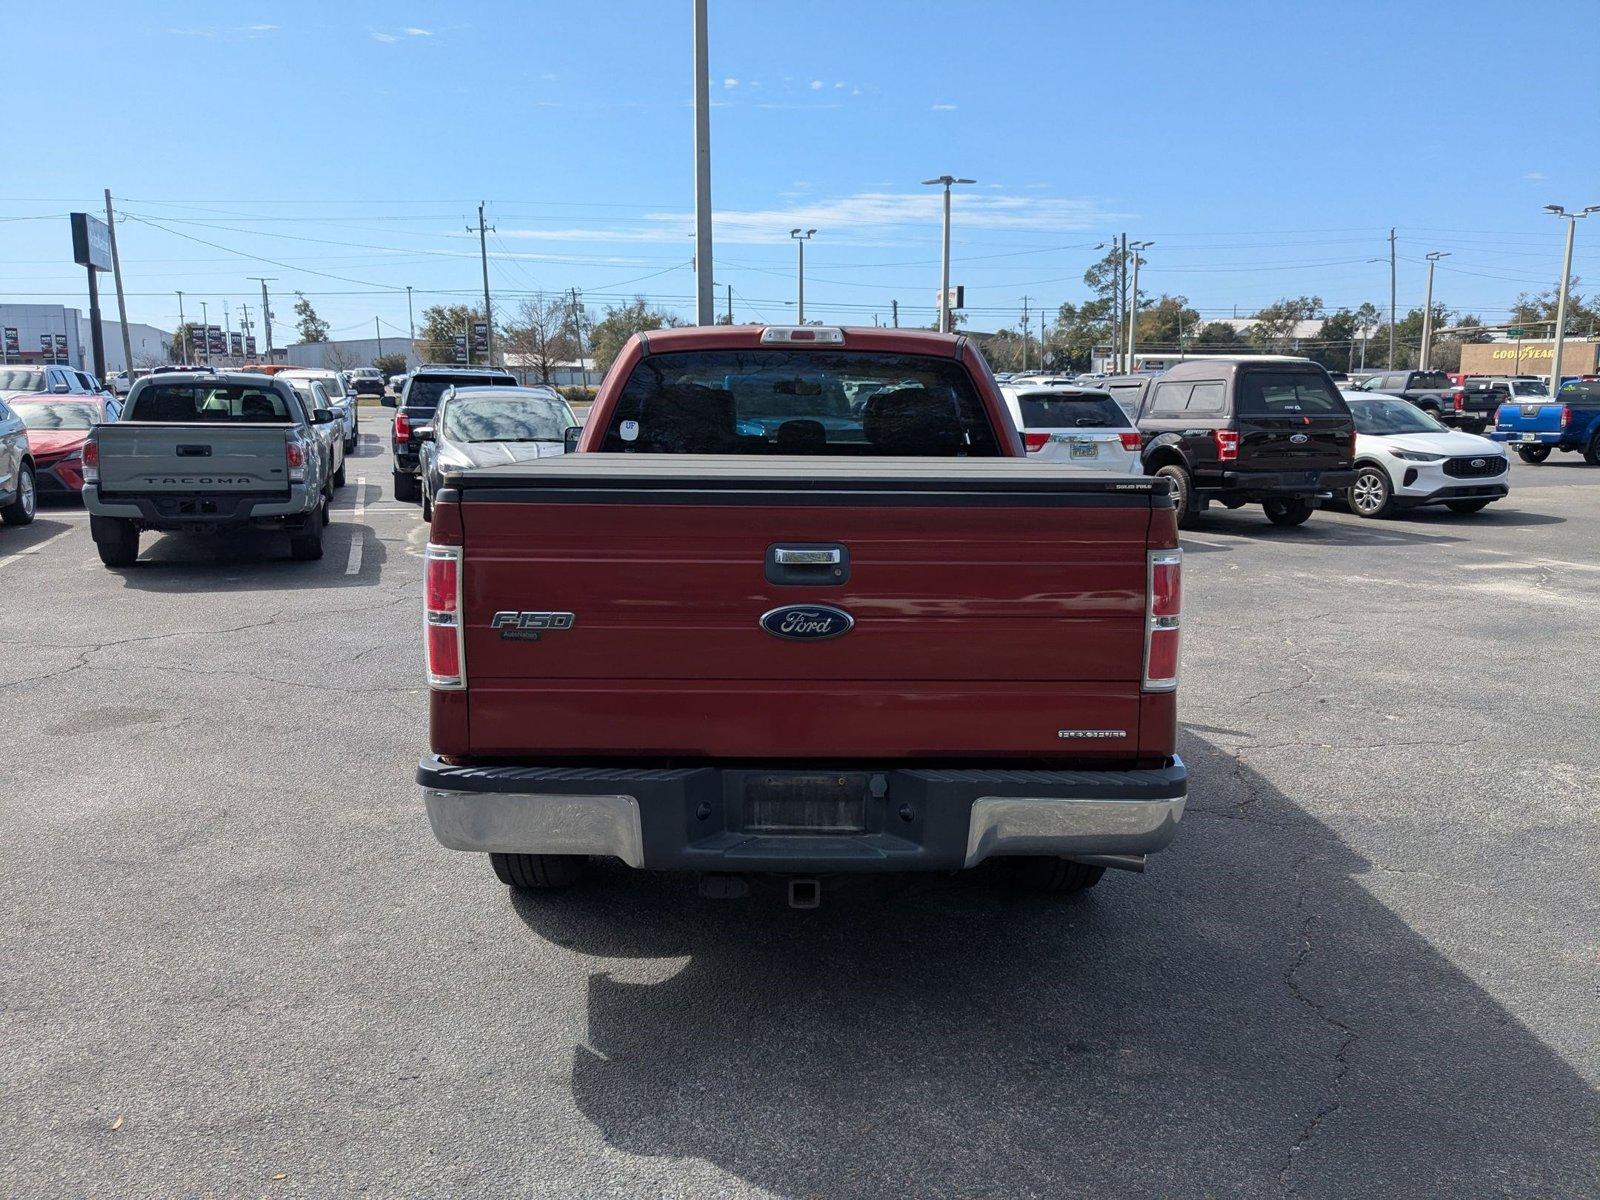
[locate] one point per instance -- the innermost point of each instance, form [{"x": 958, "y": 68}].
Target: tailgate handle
[
  {"x": 814, "y": 564},
  {"x": 194, "y": 451}
]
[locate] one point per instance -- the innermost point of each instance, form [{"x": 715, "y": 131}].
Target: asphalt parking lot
[{"x": 233, "y": 961}]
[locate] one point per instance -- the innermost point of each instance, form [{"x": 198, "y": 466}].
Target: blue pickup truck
[{"x": 1570, "y": 421}]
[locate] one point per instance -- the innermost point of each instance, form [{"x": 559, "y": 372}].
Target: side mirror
[
  {"x": 569, "y": 439},
  {"x": 323, "y": 416},
  {"x": 423, "y": 433},
  {"x": 389, "y": 401},
  {"x": 59, "y": 389}
]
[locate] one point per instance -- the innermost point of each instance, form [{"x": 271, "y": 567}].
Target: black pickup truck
[{"x": 1264, "y": 430}]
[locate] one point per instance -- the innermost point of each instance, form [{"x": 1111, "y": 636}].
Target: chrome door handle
[{"x": 789, "y": 557}]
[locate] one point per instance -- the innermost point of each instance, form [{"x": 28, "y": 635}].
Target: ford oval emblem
[
  {"x": 1299, "y": 439},
  {"x": 807, "y": 622},
  {"x": 1479, "y": 462}
]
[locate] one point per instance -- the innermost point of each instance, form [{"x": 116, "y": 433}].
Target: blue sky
[{"x": 1265, "y": 149}]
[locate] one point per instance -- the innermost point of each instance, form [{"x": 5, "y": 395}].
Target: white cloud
[
  {"x": 816, "y": 85},
  {"x": 386, "y": 38},
  {"x": 731, "y": 82},
  {"x": 415, "y": 32},
  {"x": 840, "y": 85},
  {"x": 1531, "y": 176},
  {"x": 882, "y": 217},
  {"x": 549, "y": 76},
  {"x": 260, "y": 28}
]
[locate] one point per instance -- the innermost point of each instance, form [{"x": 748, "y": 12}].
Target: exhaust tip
[{"x": 805, "y": 893}]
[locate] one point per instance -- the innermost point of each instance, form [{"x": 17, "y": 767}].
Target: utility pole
[
  {"x": 1025, "y": 327},
  {"x": 705, "y": 297},
  {"x": 577, "y": 334},
  {"x": 1391, "y": 299},
  {"x": 244, "y": 327},
  {"x": 378, "y": 329},
  {"x": 205, "y": 329},
  {"x": 730, "y": 304},
  {"x": 1041, "y": 337},
  {"x": 488, "y": 314},
  {"x": 266, "y": 309},
  {"x": 1560, "y": 335},
  {"x": 894, "y": 312},
  {"x": 800, "y": 240},
  {"x": 116, "y": 272},
  {"x": 1426, "y": 357},
  {"x": 1133, "y": 305},
  {"x": 944, "y": 270},
  {"x": 183, "y": 333}
]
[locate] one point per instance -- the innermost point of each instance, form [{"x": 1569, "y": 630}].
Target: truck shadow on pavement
[
  {"x": 1244, "y": 1020},
  {"x": 251, "y": 561}
]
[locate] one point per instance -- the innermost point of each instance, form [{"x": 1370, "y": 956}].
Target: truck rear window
[
  {"x": 1042, "y": 410},
  {"x": 1288, "y": 393},
  {"x": 423, "y": 394},
  {"x": 833, "y": 402},
  {"x": 210, "y": 402}
]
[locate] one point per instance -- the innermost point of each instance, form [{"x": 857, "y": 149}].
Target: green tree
[
  {"x": 540, "y": 334},
  {"x": 1538, "y": 312},
  {"x": 1275, "y": 324},
  {"x": 438, "y": 328},
  {"x": 621, "y": 322},
  {"x": 188, "y": 343},
  {"x": 390, "y": 364},
  {"x": 1217, "y": 335},
  {"x": 1003, "y": 350},
  {"x": 1079, "y": 328},
  {"x": 1164, "y": 320},
  {"x": 312, "y": 327},
  {"x": 1335, "y": 346}
]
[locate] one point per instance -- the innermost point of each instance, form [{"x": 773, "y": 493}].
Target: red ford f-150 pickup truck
[{"x": 800, "y": 604}]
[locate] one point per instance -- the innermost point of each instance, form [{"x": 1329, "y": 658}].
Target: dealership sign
[
  {"x": 460, "y": 347},
  {"x": 91, "y": 242},
  {"x": 480, "y": 338},
  {"x": 13, "y": 346}
]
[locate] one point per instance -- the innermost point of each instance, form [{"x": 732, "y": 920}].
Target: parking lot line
[
  {"x": 353, "y": 567},
  {"x": 34, "y": 549}
]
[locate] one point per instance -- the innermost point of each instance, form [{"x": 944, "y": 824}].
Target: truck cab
[{"x": 800, "y": 604}]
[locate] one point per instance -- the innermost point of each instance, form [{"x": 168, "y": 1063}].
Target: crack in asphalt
[{"x": 1347, "y": 1037}]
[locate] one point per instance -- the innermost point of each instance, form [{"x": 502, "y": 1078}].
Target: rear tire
[
  {"x": 1533, "y": 454},
  {"x": 1287, "y": 512},
  {"x": 1182, "y": 493},
  {"x": 306, "y": 545},
  {"x": 406, "y": 487},
  {"x": 538, "y": 872},
  {"x": 427, "y": 503},
  {"x": 339, "y": 475},
  {"x": 116, "y": 540},
  {"x": 1051, "y": 876},
  {"x": 21, "y": 509},
  {"x": 1591, "y": 452},
  {"x": 1466, "y": 506}
]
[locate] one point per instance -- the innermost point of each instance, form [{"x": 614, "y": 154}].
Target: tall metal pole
[
  {"x": 266, "y": 309},
  {"x": 1561, "y": 299},
  {"x": 1425, "y": 359},
  {"x": 800, "y": 240},
  {"x": 730, "y": 304},
  {"x": 1133, "y": 306},
  {"x": 116, "y": 271},
  {"x": 705, "y": 295},
  {"x": 97, "y": 339},
  {"x": 1391, "y": 299},
  {"x": 205, "y": 329},
  {"x": 378, "y": 329},
  {"x": 183, "y": 333},
  {"x": 944, "y": 259}
]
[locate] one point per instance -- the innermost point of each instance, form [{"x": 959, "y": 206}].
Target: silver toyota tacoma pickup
[{"x": 210, "y": 453}]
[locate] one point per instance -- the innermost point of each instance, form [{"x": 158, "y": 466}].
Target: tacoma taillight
[
  {"x": 402, "y": 427},
  {"x": 1035, "y": 442},
  {"x": 294, "y": 455},
  {"x": 91, "y": 461},
  {"x": 1227, "y": 441},
  {"x": 441, "y": 602},
  {"x": 1131, "y": 439},
  {"x": 1163, "y": 606}
]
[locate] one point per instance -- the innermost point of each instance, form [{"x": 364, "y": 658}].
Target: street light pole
[
  {"x": 266, "y": 310},
  {"x": 1391, "y": 298},
  {"x": 1133, "y": 303},
  {"x": 800, "y": 240},
  {"x": 944, "y": 269},
  {"x": 1572, "y": 219},
  {"x": 705, "y": 296},
  {"x": 1425, "y": 359},
  {"x": 183, "y": 333}
]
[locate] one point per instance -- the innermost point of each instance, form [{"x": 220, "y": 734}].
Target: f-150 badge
[
  {"x": 527, "y": 626},
  {"x": 807, "y": 622}
]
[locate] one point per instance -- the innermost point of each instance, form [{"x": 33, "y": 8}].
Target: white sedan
[
  {"x": 1404, "y": 459},
  {"x": 1081, "y": 426}
]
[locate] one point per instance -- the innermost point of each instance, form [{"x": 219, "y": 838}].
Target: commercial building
[
  {"x": 1579, "y": 356},
  {"x": 348, "y": 354},
  {"x": 35, "y": 321}
]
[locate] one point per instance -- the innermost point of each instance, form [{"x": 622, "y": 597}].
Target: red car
[
  {"x": 801, "y": 604},
  {"x": 58, "y": 426}
]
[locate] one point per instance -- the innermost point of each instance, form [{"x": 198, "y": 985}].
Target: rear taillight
[
  {"x": 402, "y": 427},
  {"x": 441, "y": 602},
  {"x": 1131, "y": 439},
  {"x": 1566, "y": 415},
  {"x": 294, "y": 455},
  {"x": 1035, "y": 442},
  {"x": 1227, "y": 441},
  {"x": 91, "y": 461},
  {"x": 1164, "y": 605},
  {"x": 1459, "y": 400}
]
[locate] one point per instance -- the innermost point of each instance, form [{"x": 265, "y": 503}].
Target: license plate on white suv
[{"x": 1082, "y": 449}]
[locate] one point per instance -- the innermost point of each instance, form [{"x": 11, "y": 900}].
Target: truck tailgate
[
  {"x": 1517, "y": 417},
  {"x": 996, "y": 603},
  {"x": 150, "y": 457}
]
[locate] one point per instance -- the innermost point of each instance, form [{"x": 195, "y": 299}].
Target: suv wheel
[
  {"x": 1060, "y": 876},
  {"x": 1294, "y": 511},
  {"x": 1591, "y": 452},
  {"x": 21, "y": 509},
  {"x": 1371, "y": 494},
  {"x": 1182, "y": 493},
  {"x": 406, "y": 487},
  {"x": 538, "y": 872}
]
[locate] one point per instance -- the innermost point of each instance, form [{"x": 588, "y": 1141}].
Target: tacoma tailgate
[
  {"x": 149, "y": 457},
  {"x": 996, "y": 603}
]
